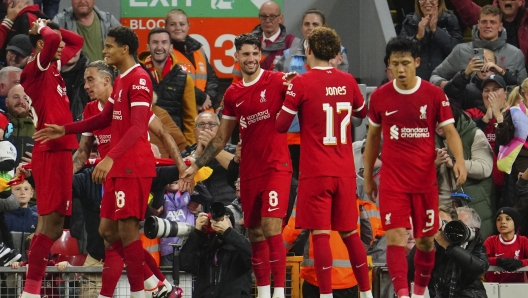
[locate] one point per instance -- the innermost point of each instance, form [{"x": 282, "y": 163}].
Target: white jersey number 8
[{"x": 120, "y": 198}]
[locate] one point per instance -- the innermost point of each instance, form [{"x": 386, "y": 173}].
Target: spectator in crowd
[
  {"x": 466, "y": 86},
  {"x": 9, "y": 77},
  {"x": 191, "y": 57},
  {"x": 478, "y": 158},
  {"x": 511, "y": 135},
  {"x": 458, "y": 268},
  {"x": 514, "y": 19},
  {"x": 73, "y": 74},
  {"x": 18, "y": 51},
  {"x": 84, "y": 18},
  {"x": 508, "y": 249},
  {"x": 6, "y": 241},
  {"x": 20, "y": 15},
  {"x": 8, "y": 155},
  {"x": 23, "y": 126},
  {"x": 220, "y": 261},
  {"x": 294, "y": 59},
  {"x": 436, "y": 29},
  {"x": 173, "y": 86},
  {"x": 488, "y": 34},
  {"x": 273, "y": 37},
  {"x": 25, "y": 218},
  {"x": 206, "y": 128},
  {"x": 48, "y": 7}
]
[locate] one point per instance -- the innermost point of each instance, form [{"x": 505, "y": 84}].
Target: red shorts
[
  {"x": 266, "y": 196},
  {"x": 327, "y": 203},
  {"x": 422, "y": 208},
  {"x": 125, "y": 197},
  {"x": 53, "y": 176}
]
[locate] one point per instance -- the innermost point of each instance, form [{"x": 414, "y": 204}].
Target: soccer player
[
  {"x": 408, "y": 110},
  {"x": 326, "y": 99},
  {"x": 52, "y": 161},
  {"x": 127, "y": 184},
  {"x": 265, "y": 167}
]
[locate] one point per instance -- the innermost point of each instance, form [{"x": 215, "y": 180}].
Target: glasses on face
[
  {"x": 203, "y": 124},
  {"x": 271, "y": 17},
  {"x": 432, "y": 1}
]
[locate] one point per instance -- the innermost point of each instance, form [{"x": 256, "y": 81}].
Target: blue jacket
[{"x": 22, "y": 219}]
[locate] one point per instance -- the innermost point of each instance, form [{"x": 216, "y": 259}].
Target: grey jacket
[
  {"x": 508, "y": 57},
  {"x": 66, "y": 20}
]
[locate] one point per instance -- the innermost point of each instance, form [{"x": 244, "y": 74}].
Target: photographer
[
  {"x": 219, "y": 258},
  {"x": 458, "y": 267}
]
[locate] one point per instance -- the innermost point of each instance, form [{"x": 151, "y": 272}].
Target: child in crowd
[
  {"x": 25, "y": 218},
  {"x": 508, "y": 249}
]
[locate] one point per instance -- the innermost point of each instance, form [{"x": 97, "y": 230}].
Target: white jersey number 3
[{"x": 330, "y": 138}]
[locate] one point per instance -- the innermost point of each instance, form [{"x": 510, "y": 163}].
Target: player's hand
[
  {"x": 51, "y": 132},
  {"x": 14, "y": 8},
  {"x": 201, "y": 221},
  {"x": 188, "y": 175},
  {"x": 460, "y": 172},
  {"x": 288, "y": 76},
  {"x": 101, "y": 170},
  {"x": 238, "y": 153},
  {"x": 371, "y": 188},
  {"x": 39, "y": 23},
  {"x": 185, "y": 186}
]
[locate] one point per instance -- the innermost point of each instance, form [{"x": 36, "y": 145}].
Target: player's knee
[
  {"x": 397, "y": 237},
  {"x": 271, "y": 226},
  {"x": 425, "y": 243},
  {"x": 256, "y": 234}
]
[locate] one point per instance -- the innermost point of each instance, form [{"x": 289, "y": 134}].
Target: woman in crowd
[{"x": 436, "y": 29}]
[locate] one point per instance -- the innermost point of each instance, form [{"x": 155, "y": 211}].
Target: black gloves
[{"x": 509, "y": 264}]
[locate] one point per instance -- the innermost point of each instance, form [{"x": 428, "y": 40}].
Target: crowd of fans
[{"x": 485, "y": 80}]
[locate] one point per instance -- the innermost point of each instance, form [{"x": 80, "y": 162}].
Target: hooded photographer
[
  {"x": 218, "y": 257},
  {"x": 458, "y": 267}
]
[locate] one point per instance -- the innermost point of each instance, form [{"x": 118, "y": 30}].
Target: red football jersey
[
  {"x": 496, "y": 247},
  {"x": 325, "y": 99},
  {"x": 102, "y": 136},
  {"x": 43, "y": 83},
  {"x": 408, "y": 119},
  {"x": 131, "y": 89},
  {"x": 255, "y": 106}
]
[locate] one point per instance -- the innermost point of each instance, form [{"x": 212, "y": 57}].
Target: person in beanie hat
[
  {"x": 18, "y": 51},
  {"x": 508, "y": 249}
]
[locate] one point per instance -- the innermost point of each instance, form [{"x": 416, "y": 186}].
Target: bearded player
[
  {"x": 408, "y": 110},
  {"x": 265, "y": 167}
]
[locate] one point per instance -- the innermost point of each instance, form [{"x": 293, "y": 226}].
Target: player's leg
[
  {"x": 395, "y": 212},
  {"x": 113, "y": 263},
  {"x": 425, "y": 226},
  {"x": 344, "y": 220},
  {"x": 133, "y": 255}
]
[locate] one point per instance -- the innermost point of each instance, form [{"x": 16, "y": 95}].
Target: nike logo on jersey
[
  {"x": 426, "y": 230},
  {"x": 326, "y": 268},
  {"x": 273, "y": 261},
  {"x": 360, "y": 265},
  {"x": 118, "y": 210},
  {"x": 499, "y": 254},
  {"x": 272, "y": 209},
  {"x": 238, "y": 104},
  {"x": 387, "y": 113},
  {"x": 255, "y": 264}
]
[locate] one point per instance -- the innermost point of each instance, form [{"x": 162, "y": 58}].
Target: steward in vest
[{"x": 173, "y": 86}]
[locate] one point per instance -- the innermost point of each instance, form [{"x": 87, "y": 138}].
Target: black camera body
[
  {"x": 156, "y": 227},
  {"x": 218, "y": 211},
  {"x": 456, "y": 232}
]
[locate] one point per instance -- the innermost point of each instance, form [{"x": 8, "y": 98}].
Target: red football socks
[
  {"x": 260, "y": 262},
  {"x": 151, "y": 264},
  {"x": 423, "y": 264},
  {"x": 277, "y": 257},
  {"x": 135, "y": 263},
  {"x": 397, "y": 264},
  {"x": 38, "y": 260},
  {"x": 358, "y": 260},
  {"x": 323, "y": 262},
  {"x": 112, "y": 268}
]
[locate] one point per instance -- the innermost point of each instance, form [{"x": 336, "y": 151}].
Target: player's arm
[
  {"x": 224, "y": 158},
  {"x": 371, "y": 153},
  {"x": 284, "y": 119},
  {"x": 359, "y": 108},
  {"x": 73, "y": 44},
  {"x": 83, "y": 152},
  {"x": 292, "y": 100},
  {"x": 157, "y": 129},
  {"x": 217, "y": 144},
  {"x": 455, "y": 145},
  {"x": 52, "y": 41}
]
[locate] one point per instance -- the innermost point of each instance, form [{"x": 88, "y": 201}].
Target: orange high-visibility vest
[
  {"x": 152, "y": 246},
  {"x": 198, "y": 73}
]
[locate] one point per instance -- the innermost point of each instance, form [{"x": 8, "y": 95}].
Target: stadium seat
[
  {"x": 74, "y": 260},
  {"x": 65, "y": 245}
]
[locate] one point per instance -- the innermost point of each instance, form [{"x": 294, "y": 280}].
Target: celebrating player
[
  {"x": 265, "y": 167},
  {"x": 408, "y": 110},
  {"x": 329, "y": 96},
  {"x": 52, "y": 161},
  {"x": 127, "y": 188}
]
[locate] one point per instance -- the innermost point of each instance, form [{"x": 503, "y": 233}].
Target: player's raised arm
[
  {"x": 73, "y": 43},
  {"x": 50, "y": 44}
]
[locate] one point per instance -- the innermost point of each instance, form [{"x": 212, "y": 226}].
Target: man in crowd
[
  {"x": 84, "y": 18},
  {"x": 407, "y": 111},
  {"x": 9, "y": 77},
  {"x": 18, "y": 51},
  {"x": 273, "y": 37},
  {"x": 252, "y": 103},
  {"x": 23, "y": 127},
  {"x": 488, "y": 34}
]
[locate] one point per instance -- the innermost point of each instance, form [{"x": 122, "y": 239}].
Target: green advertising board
[{"x": 193, "y": 8}]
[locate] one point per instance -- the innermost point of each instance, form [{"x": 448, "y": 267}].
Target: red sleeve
[
  {"x": 292, "y": 103},
  {"x": 359, "y": 108},
  {"x": 228, "y": 111},
  {"x": 73, "y": 44},
  {"x": 468, "y": 11},
  {"x": 4, "y": 31},
  {"x": 138, "y": 116},
  {"x": 51, "y": 45},
  {"x": 487, "y": 244},
  {"x": 373, "y": 116},
  {"x": 99, "y": 121},
  {"x": 444, "y": 114}
]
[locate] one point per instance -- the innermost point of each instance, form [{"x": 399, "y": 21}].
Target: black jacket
[
  {"x": 221, "y": 268},
  {"x": 469, "y": 264},
  {"x": 435, "y": 47},
  {"x": 21, "y": 138},
  {"x": 74, "y": 80}
]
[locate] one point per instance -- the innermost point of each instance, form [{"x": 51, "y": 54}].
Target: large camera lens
[
  {"x": 457, "y": 232},
  {"x": 156, "y": 227}
]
